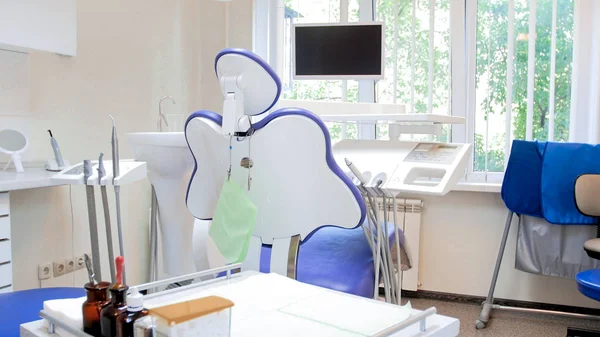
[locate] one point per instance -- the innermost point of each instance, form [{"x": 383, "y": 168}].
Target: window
[
  {"x": 504, "y": 65},
  {"x": 523, "y": 85}
]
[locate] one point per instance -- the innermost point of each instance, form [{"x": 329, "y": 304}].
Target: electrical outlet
[
  {"x": 45, "y": 271},
  {"x": 70, "y": 265},
  {"x": 59, "y": 268},
  {"x": 79, "y": 262}
]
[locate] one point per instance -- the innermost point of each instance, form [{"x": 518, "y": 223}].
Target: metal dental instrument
[
  {"x": 373, "y": 221},
  {"x": 106, "y": 208},
  {"x": 88, "y": 266},
  {"x": 91, "y": 204},
  {"x": 386, "y": 244},
  {"x": 161, "y": 116},
  {"x": 116, "y": 173},
  {"x": 153, "y": 270},
  {"x": 398, "y": 259}
]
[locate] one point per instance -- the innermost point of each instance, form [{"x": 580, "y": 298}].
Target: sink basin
[{"x": 170, "y": 165}]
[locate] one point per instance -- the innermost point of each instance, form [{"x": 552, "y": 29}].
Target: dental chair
[{"x": 309, "y": 211}]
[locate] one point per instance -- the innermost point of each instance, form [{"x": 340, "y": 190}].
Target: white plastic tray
[{"x": 418, "y": 323}]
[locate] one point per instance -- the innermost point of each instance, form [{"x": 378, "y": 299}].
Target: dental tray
[
  {"x": 263, "y": 301},
  {"x": 131, "y": 171}
]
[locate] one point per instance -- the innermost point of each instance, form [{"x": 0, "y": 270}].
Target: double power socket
[{"x": 60, "y": 267}]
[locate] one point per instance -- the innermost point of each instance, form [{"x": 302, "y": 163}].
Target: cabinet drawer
[
  {"x": 4, "y": 227},
  {"x": 5, "y": 251},
  {"x": 5, "y": 274},
  {"x": 3, "y": 203}
]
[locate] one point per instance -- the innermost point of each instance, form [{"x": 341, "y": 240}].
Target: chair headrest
[
  {"x": 257, "y": 81},
  {"x": 587, "y": 194}
]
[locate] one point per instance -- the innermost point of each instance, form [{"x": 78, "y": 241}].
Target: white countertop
[{"x": 33, "y": 177}]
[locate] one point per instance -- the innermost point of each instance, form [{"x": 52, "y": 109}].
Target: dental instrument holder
[{"x": 130, "y": 171}]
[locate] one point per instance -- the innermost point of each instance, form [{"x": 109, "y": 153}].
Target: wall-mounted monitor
[{"x": 338, "y": 51}]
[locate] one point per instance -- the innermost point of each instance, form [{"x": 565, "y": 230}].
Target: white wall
[
  {"x": 460, "y": 237},
  {"x": 129, "y": 55},
  {"x": 214, "y": 38}
]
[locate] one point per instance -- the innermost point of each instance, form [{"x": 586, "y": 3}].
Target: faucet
[{"x": 161, "y": 116}]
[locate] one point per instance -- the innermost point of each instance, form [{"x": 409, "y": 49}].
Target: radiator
[{"x": 408, "y": 215}]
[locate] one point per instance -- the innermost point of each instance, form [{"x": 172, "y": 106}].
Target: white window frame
[{"x": 463, "y": 34}]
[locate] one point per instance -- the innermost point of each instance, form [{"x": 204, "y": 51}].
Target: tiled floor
[{"x": 505, "y": 323}]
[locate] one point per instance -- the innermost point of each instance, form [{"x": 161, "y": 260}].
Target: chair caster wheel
[{"x": 479, "y": 325}]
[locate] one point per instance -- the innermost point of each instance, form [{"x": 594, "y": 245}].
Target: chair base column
[{"x": 578, "y": 332}]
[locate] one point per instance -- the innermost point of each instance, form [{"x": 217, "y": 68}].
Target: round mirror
[{"x": 14, "y": 143}]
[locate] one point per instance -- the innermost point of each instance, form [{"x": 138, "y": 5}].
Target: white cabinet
[
  {"x": 39, "y": 25},
  {"x": 5, "y": 245},
  {"x": 4, "y": 203}
]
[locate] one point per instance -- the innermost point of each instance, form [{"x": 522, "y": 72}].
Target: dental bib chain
[
  {"x": 246, "y": 162},
  {"x": 230, "y": 150}
]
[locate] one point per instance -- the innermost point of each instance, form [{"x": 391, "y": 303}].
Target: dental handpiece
[
  {"x": 57, "y": 155},
  {"x": 355, "y": 171},
  {"x": 87, "y": 170},
  {"x": 101, "y": 169}
]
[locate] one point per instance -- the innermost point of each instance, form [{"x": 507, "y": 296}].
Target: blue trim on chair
[
  {"x": 212, "y": 116},
  {"x": 257, "y": 59}
]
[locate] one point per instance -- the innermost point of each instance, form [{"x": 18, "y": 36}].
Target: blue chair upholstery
[
  {"x": 24, "y": 306},
  {"x": 588, "y": 283},
  {"x": 335, "y": 258}
]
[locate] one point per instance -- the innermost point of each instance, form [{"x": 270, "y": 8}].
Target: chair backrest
[
  {"x": 540, "y": 178},
  {"x": 297, "y": 186},
  {"x": 587, "y": 194}
]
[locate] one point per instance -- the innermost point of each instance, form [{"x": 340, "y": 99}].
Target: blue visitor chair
[
  {"x": 21, "y": 307},
  {"x": 587, "y": 199}
]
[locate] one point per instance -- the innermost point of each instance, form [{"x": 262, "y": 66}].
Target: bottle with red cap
[{"x": 118, "y": 303}]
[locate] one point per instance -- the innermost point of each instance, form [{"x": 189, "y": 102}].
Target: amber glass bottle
[
  {"x": 109, "y": 314},
  {"x": 97, "y": 298},
  {"x": 118, "y": 303}
]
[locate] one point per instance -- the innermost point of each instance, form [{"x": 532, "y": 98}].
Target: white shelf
[
  {"x": 31, "y": 178},
  {"x": 395, "y": 118}
]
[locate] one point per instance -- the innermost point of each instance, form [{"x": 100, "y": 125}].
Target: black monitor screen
[{"x": 335, "y": 50}]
